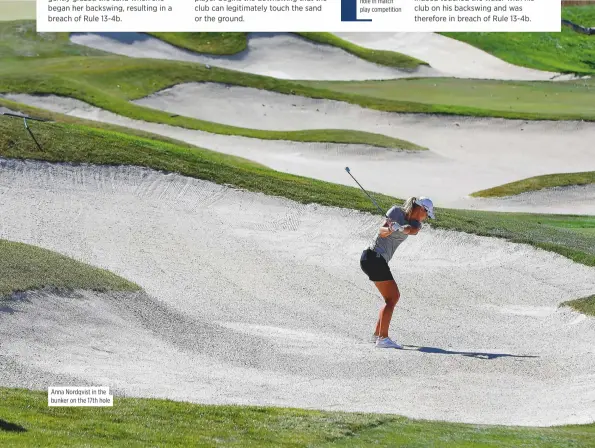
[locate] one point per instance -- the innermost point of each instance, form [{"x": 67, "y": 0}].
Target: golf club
[{"x": 372, "y": 199}]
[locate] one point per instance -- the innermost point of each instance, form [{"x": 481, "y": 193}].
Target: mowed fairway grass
[
  {"x": 569, "y": 99},
  {"x": 210, "y": 43},
  {"x": 581, "y": 15},
  {"x": 26, "y": 420}
]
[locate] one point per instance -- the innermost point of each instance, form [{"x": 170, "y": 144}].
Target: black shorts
[{"x": 375, "y": 266}]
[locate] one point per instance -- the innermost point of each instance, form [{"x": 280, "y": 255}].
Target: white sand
[
  {"x": 288, "y": 56},
  {"x": 466, "y": 154},
  {"x": 252, "y": 301},
  {"x": 281, "y": 55},
  {"x": 449, "y": 56}
]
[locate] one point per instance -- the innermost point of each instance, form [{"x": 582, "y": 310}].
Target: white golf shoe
[
  {"x": 373, "y": 338},
  {"x": 387, "y": 343}
]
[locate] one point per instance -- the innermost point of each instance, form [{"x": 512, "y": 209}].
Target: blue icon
[{"x": 349, "y": 12}]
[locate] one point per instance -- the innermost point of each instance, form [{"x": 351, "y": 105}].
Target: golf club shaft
[
  {"x": 25, "y": 118},
  {"x": 32, "y": 136},
  {"x": 371, "y": 198}
]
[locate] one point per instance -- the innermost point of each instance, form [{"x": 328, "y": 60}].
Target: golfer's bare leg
[{"x": 390, "y": 292}]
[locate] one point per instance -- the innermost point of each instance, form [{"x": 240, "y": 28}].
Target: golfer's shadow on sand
[{"x": 479, "y": 355}]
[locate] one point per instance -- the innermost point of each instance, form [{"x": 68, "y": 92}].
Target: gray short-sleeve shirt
[{"x": 387, "y": 246}]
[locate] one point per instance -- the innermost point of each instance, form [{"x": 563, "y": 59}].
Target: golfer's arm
[
  {"x": 410, "y": 230},
  {"x": 384, "y": 231}
]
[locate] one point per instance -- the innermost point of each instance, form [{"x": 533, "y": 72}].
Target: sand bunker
[
  {"x": 471, "y": 150},
  {"x": 450, "y": 56},
  {"x": 281, "y": 55},
  {"x": 288, "y": 56},
  {"x": 466, "y": 154},
  {"x": 251, "y": 300}
]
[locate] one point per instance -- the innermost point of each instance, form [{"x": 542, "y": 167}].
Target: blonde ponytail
[{"x": 408, "y": 205}]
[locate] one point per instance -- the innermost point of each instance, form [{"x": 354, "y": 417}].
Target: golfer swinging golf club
[{"x": 400, "y": 222}]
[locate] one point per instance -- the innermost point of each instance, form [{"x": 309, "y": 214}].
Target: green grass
[
  {"x": 581, "y": 15},
  {"x": 210, "y": 43},
  {"x": 538, "y": 183},
  {"x": 564, "y": 52},
  {"x": 507, "y": 99},
  {"x": 233, "y": 43},
  {"x": 17, "y": 10},
  {"x": 25, "y": 268},
  {"x": 568, "y": 235},
  {"x": 134, "y": 422},
  {"x": 382, "y": 57},
  {"x": 20, "y": 41},
  {"x": 73, "y": 140},
  {"x": 585, "y": 305}
]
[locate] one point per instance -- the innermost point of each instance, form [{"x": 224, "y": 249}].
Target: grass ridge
[
  {"x": 27, "y": 267},
  {"x": 537, "y": 183}
]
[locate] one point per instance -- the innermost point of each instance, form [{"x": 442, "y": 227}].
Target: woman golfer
[{"x": 400, "y": 223}]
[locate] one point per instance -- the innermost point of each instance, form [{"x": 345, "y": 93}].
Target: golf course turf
[
  {"x": 581, "y": 15},
  {"x": 25, "y": 268},
  {"x": 210, "y": 43},
  {"x": 25, "y": 419},
  {"x": 586, "y": 305},
  {"x": 537, "y": 183},
  {"x": 388, "y": 58},
  {"x": 486, "y": 98}
]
